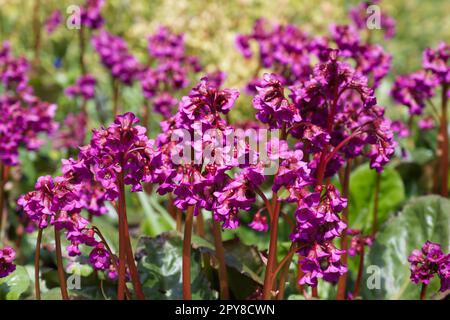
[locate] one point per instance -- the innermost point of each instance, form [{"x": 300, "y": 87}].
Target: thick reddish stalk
[
  {"x": 342, "y": 283},
  {"x": 145, "y": 115},
  {"x": 423, "y": 292},
  {"x": 130, "y": 260},
  {"x": 315, "y": 292},
  {"x": 220, "y": 255},
  {"x": 179, "y": 219},
  {"x": 60, "y": 266},
  {"x": 122, "y": 240},
  {"x": 37, "y": 257},
  {"x": 272, "y": 259},
  {"x": 187, "y": 254},
  {"x": 360, "y": 273},
  {"x": 444, "y": 133},
  {"x": 2, "y": 196}
]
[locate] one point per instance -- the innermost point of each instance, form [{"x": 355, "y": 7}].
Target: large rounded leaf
[
  {"x": 160, "y": 269},
  {"x": 14, "y": 285},
  {"x": 424, "y": 218},
  {"x": 362, "y": 192}
]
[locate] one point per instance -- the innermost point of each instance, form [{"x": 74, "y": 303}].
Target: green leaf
[
  {"x": 155, "y": 222},
  {"x": 14, "y": 285},
  {"x": 422, "y": 219},
  {"x": 362, "y": 190},
  {"x": 160, "y": 268}
]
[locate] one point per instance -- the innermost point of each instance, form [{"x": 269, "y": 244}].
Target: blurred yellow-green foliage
[{"x": 211, "y": 27}]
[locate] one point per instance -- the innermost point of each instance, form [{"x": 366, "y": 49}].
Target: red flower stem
[
  {"x": 315, "y": 292},
  {"x": 423, "y": 292},
  {"x": 266, "y": 201},
  {"x": 444, "y": 134},
  {"x": 272, "y": 259},
  {"x": 283, "y": 275},
  {"x": 145, "y": 115},
  {"x": 300, "y": 288},
  {"x": 171, "y": 208},
  {"x": 200, "y": 229},
  {"x": 122, "y": 239},
  {"x": 37, "y": 257},
  {"x": 60, "y": 266},
  {"x": 360, "y": 273},
  {"x": 113, "y": 257},
  {"x": 220, "y": 255},
  {"x": 187, "y": 254},
  {"x": 130, "y": 260},
  {"x": 284, "y": 265},
  {"x": 342, "y": 283},
  {"x": 179, "y": 220},
  {"x": 2, "y": 195},
  {"x": 375, "y": 203},
  {"x": 342, "y": 143}
]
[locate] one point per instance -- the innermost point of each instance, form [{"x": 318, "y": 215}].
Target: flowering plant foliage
[{"x": 294, "y": 184}]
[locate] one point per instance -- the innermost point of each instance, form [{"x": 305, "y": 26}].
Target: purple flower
[
  {"x": 205, "y": 103},
  {"x": 84, "y": 87},
  {"x": 437, "y": 61},
  {"x": 99, "y": 257},
  {"x": 53, "y": 21},
  {"x": 321, "y": 261},
  {"x": 358, "y": 242},
  {"x": 400, "y": 129},
  {"x": 359, "y": 15},
  {"x": 72, "y": 133},
  {"x": 259, "y": 223},
  {"x": 166, "y": 44},
  {"x": 346, "y": 38},
  {"x": 7, "y": 256},
  {"x": 271, "y": 105},
  {"x": 22, "y": 126},
  {"x": 429, "y": 261},
  {"x": 414, "y": 90},
  {"x": 426, "y": 123},
  {"x": 115, "y": 56},
  {"x": 91, "y": 14},
  {"x": 164, "y": 103}
]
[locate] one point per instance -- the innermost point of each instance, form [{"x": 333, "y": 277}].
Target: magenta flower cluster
[
  {"x": 115, "y": 55},
  {"x": 289, "y": 51},
  {"x": 121, "y": 152},
  {"x": 169, "y": 69},
  {"x": 428, "y": 262},
  {"x": 358, "y": 242},
  {"x": 416, "y": 90},
  {"x": 53, "y": 21},
  {"x": 7, "y": 266},
  {"x": 91, "y": 14},
  {"x": 84, "y": 87},
  {"x": 25, "y": 115}
]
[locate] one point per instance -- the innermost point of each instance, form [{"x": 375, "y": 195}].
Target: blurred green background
[{"x": 211, "y": 25}]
